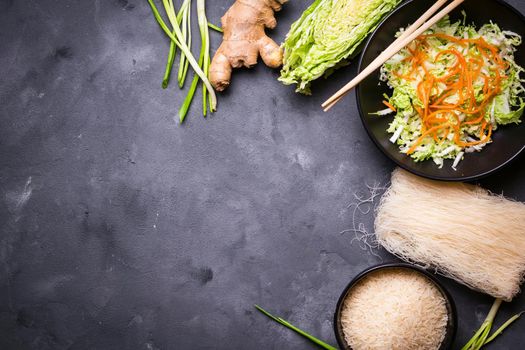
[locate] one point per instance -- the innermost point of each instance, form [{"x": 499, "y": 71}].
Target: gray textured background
[{"x": 122, "y": 230}]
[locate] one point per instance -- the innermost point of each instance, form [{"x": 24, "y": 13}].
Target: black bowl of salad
[{"x": 450, "y": 105}]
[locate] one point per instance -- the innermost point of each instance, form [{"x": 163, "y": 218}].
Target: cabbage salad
[{"x": 452, "y": 87}]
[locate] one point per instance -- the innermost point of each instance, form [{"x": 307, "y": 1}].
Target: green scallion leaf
[
  {"x": 177, "y": 39},
  {"x": 297, "y": 330},
  {"x": 214, "y": 27},
  {"x": 481, "y": 337}
]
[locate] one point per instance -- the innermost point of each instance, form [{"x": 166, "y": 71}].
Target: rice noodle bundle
[{"x": 465, "y": 232}]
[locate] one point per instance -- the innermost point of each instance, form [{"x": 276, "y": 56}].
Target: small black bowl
[
  {"x": 451, "y": 307},
  {"x": 508, "y": 141}
]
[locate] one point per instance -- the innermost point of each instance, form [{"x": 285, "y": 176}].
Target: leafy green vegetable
[
  {"x": 292, "y": 327},
  {"x": 327, "y": 34},
  {"x": 503, "y": 113}
]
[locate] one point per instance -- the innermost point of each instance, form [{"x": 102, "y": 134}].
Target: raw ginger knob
[{"x": 244, "y": 39}]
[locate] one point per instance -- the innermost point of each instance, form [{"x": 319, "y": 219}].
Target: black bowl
[
  {"x": 451, "y": 307},
  {"x": 508, "y": 141}
]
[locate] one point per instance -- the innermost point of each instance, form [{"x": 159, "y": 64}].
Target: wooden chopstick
[
  {"x": 424, "y": 17},
  {"x": 406, "y": 38},
  {"x": 432, "y": 10}
]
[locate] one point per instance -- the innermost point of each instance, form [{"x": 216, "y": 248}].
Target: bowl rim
[
  {"x": 376, "y": 141},
  {"x": 452, "y": 322}
]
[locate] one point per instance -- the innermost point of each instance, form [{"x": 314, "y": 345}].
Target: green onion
[
  {"x": 201, "y": 15},
  {"x": 481, "y": 337},
  {"x": 292, "y": 327},
  {"x": 189, "y": 97},
  {"x": 191, "y": 92},
  {"x": 181, "y": 37},
  {"x": 214, "y": 27},
  {"x": 503, "y": 326},
  {"x": 205, "y": 50},
  {"x": 171, "y": 57},
  {"x": 186, "y": 33},
  {"x": 177, "y": 38},
  {"x": 209, "y": 62},
  {"x": 169, "y": 65}
]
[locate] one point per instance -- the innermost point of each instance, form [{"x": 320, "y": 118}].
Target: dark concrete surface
[{"x": 121, "y": 229}]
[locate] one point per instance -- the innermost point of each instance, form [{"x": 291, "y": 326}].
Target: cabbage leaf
[{"x": 326, "y": 36}]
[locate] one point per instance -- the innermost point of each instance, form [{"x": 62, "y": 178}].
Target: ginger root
[{"x": 244, "y": 39}]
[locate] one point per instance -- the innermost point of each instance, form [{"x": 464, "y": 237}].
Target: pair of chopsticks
[{"x": 415, "y": 30}]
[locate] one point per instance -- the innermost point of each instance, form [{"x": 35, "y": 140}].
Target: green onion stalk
[
  {"x": 191, "y": 92},
  {"x": 215, "y": 28},
  {"x": 170, "y": 10},
  {"x": 481, "y": 337},
  {"x": 178, "y": 39},
  {"x": 186, "y": 33},
  {"x": 172, "y": 51},
  {"x": 205, "y": 48},
  {"x": 287, "y": 324},
  {"x": 169, "y": 65},
  {"x": 204, "y": 57}
]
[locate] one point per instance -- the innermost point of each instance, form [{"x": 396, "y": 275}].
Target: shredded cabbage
[{"x": 505, "y": 106}]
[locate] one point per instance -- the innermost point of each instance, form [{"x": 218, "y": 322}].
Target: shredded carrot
[
  {"x": 386, "y": 103},
  {"x": 422, "y": 137},
  {"x": 439, "y": 118}
]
